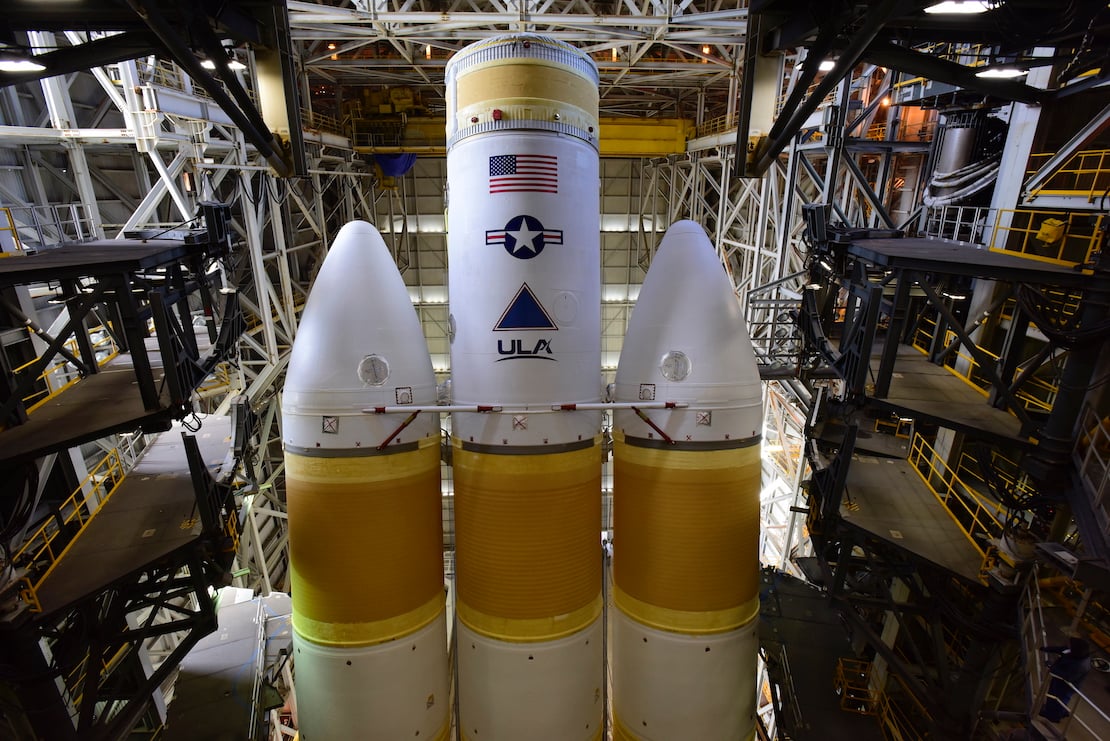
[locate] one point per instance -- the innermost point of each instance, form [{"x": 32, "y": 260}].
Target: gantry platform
[
  {"x": 100, "y": 258},
  {"x": 961, "y": 258},
  {"x": 96, "y": 406},
  {"x": 797, "y": 620},
  {"x": 218, "y": 682},
  {"x": 888, "y": 499},
  {"x": 831, "y": 432},
  {"x": 151, "y": 514},
  {"x": 141, "y": 279},
  {"x": 923, "y": 390}
]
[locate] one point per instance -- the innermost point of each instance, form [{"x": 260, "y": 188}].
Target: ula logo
[{"x": 515, "y": 350}]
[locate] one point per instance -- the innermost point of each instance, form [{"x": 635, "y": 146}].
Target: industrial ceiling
[{"x": 656, "y": 57}]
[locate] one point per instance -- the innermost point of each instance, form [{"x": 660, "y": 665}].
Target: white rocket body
[
  {"x": 524, "y": 287},
  {"x": 686, "y": 505},
  {"x": 365, "y": 531}
]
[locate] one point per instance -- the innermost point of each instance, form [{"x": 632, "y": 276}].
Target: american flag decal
[{"x": 524, "y": 173}]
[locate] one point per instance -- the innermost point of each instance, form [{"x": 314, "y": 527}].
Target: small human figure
[{"x": 1068, "y": 672}]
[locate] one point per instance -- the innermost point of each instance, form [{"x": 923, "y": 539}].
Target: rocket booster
[
  {"x": 365, "y": 527},
  {"x": 686, "y": 505},
  {"x": 524, "y": 285}
]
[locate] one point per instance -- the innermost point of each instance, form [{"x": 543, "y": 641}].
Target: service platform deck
[
  {"x": 218, "y": 686},
  {"x": 151, "y": 514},
  {"x": 106, "y": 257},
  {"x": 931, "y": 392},
  {"x": 887, "y": 498},
  {"x": 796, "y": 621},
  {"x": 951, "y": 257},
  {"x": 137, "y": 280},
  {"x": 96, "y": 406}
]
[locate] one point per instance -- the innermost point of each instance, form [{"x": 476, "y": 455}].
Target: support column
[{"x": 55, "y": 90}]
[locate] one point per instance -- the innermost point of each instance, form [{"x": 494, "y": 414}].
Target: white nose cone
[
  {"x": 359, "y": 345},
  {"x": 687, "y": 342}
]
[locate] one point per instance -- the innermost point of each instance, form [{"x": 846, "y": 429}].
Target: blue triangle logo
[{"x": 525, "y": 312}]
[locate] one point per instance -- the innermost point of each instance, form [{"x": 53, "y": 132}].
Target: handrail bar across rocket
[{"x": 497, "y": 409}]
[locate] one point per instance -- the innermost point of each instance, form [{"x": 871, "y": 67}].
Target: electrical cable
[
  {"x": 20, "y": 515},
  {"x": 1054, "y": 324},
  {"x": 987, "y": 174}
]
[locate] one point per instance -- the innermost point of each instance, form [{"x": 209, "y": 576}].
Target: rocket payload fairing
[
  {"x": 686, "y": 505},
  {"x": 364, "y": 504},
  {"x": 524, "y": 285}
]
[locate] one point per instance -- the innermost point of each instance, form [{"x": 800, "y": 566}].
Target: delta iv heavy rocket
[
  {"x": 524, "y": 327},
  {"x": 686, "y": 505},
  {"x": 364, "y": 504},
  {"x": 524, "y": 287}
]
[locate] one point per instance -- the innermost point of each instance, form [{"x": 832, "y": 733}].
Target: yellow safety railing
[
  {"x": 9, "y": 235},
  {"x": 231, "y": 530},
  {"x": 320, "y": 122},
  {"x": 1065, "y": 303},
  {"x": 716, "y": 125},
  {"x": 923, "y": 337},
  {"x": 900, "y": 427},
  {"x": 853, "y": 684},
  {"x": 1088, "y": 609},
  {"x": 1007, "y": 470},
  {"x": 898, "y": 723},
  {"x": 1057, "y": 237},
  {"x": 164, "y": 74},
  {"x": 974, "y": 517},
  {"x": 907, "y": 131},
  {"x": 970, "y": 371},
  {"x": 1036, "y": 394},
  {"x": 75, "y": 680},
  {"x": 1086, "y": 174},
  {"x": 956, "y": 642},
  {"x": 900, "y": 716},
  {"x": 219, "y": 381},
  {"x": 971, "y": 55},
  {"x": 104, "y": 347},
  {"x": 46, "y": 546}
]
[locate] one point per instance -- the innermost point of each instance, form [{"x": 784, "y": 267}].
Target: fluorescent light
[
  {"x": 961, "y": 7},
  {"x": 1002, "y": 73},
  {"x": 232, "y": 62},
  {"x": 826, "y": 65},
  {"x": 21, "y": 65},
  {"x": 17, "y": 59}
]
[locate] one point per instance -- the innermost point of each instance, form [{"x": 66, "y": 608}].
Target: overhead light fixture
[
  {"x": 826, "y": 65},
  {"x": 232, "y": 63},
  {"x": 959, "y": 7},
  {"x": 331, "y": 46},
  {"x": 15, "y": 59},
  {"x": 1002, "y": 72}
]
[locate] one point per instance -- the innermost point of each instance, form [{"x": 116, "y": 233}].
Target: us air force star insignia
[{"x": 524, "y": 237}]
